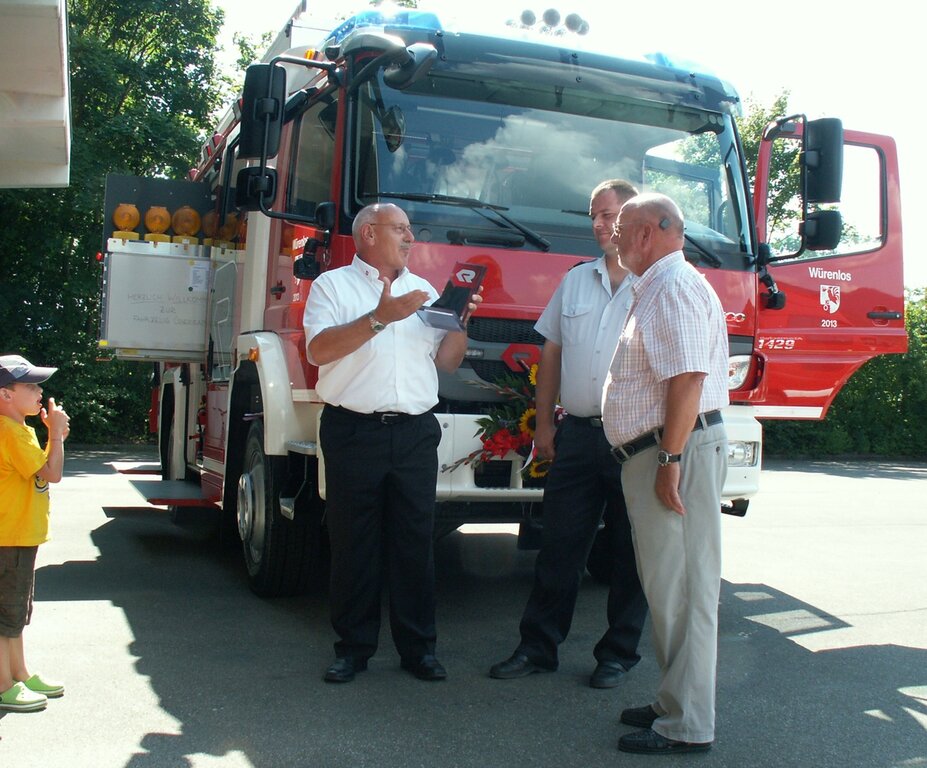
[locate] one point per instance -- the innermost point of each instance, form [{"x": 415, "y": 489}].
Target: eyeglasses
[
  {"x": 628, "y": 225},
  {"x": 399, "y": 229}
]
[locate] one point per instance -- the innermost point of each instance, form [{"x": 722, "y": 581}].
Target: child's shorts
[{"x": 17, "y": 585}]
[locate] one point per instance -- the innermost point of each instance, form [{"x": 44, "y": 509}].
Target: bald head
[
  {"x": 383, "y": 237},
  {"x": 650, "y": 226},
  {"x": 659, "y": 210},
  {"x": 370, "y": 214}
]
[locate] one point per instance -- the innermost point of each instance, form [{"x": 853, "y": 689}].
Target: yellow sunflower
[
  {"x": 527, "y": 421},
  {"x": 533, "y": 375},
  {"x": 539, "y": 468}
]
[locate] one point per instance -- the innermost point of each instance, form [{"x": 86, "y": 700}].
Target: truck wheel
[{"x": 276, "y": 549}]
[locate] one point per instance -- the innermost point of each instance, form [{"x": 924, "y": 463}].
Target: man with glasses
[
  {"x": 662, "y": 413},
  {"x": 378, "y": 377}
]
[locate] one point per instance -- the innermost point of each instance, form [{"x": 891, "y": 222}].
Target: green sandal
[
  {"x": 21, "y": 699},
  {"x": 50, "y": 688}
]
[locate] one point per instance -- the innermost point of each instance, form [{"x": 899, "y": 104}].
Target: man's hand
[
  {"x": 544, "y": 440},
  {"x": 392, "y": 308},
  {"x": 667, "y": 487},
  {"x": 475, "y": 300}
]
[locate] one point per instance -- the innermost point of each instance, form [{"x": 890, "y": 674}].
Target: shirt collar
[
  {"x": 371, "y": 272},
  {"x": 605, "y": 278},
  {"x": 655, "y": 270}
]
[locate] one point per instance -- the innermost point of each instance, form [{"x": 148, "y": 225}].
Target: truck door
[{"x": 843, "y": 306}]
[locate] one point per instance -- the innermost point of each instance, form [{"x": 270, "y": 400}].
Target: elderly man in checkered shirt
[{"x": 661, "y": 411}]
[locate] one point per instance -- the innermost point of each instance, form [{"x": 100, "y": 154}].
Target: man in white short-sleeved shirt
[{"x": 377, "y": 375}]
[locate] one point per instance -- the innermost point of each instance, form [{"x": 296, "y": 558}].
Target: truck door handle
[{"x": 884, "y": 315}]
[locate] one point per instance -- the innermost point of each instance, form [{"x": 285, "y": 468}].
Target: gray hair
[{"x": 366, "y": 215}]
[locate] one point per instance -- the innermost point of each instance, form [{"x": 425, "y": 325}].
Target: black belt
[
  {"x": 384, "y": 417},
  {"x": 589, "y": 421},
  {"x": 624, "y": 452}
]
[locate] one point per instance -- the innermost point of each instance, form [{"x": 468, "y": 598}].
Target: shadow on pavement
[
  {"x": 885, "y": 470},
  {"x": 243, "y": 675}
]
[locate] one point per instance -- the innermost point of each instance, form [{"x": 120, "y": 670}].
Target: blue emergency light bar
[{"x": 406, "y": 19}]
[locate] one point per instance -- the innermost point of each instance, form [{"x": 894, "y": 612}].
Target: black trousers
[
  {"x": 583, "y": 479},
  {"x": 380, "y": 499}
]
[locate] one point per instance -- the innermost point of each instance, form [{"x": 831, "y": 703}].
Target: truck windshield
[{"x": 537, "y": 161}]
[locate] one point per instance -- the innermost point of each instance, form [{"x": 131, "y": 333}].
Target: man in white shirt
[
  {"x": 377, "y": 375},
  {"x": 662, "y": 413},
  {"x": 581, "y": 325}
]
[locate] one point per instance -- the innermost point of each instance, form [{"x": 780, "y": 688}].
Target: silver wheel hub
[
  {"x": 245, "y": 506},
  {"x": 251, "y": 510}
]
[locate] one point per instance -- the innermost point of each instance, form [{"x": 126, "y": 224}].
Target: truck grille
[
  {"x": 498, "y": 331},
  {"x": 490, "y": 370},
  {"x": 491, "y": 330}
]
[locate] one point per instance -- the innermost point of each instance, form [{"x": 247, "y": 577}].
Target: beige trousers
[{"x": 679, "y": 563}]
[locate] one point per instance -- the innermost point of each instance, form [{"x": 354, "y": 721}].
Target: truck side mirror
[
  {"x": 307, "y": 266},
  {"x": 262, "y": 104},
  {"x": 325, "y": 215},
  {"x": 823, "y": 159},
  {"x": 254, "y": 186},
  {"x": 414, "y": 65},
  {"x": 822, "y": 230}
]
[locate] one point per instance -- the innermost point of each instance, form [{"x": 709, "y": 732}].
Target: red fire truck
[{"x": 491, "y": 144}]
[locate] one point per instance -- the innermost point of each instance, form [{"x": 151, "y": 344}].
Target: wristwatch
[
  {"x": 664, "y": 458},
  {"x": 375, "y": 325}
]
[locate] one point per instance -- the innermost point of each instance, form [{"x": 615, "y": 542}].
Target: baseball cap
[{"x": 14, "y": 368}]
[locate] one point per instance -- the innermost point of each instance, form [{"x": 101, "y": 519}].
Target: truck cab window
[
  {"x": 862, "y": 205},
  {"x": 313, "y": 158},
  {"x": 536, "y": 154}
]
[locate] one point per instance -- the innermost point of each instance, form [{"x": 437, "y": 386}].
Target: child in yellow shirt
[{"x": 25, "y": 473}]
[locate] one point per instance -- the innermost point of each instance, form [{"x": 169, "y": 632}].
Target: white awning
[{"x": 35, "y": 100}]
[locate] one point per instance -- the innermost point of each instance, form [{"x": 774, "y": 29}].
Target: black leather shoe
[
  {"x": 425, "y": 668},
  {"x": 649, "y": 742},
  {"x": 640, "y": 717},
  {"x": 342, "y": 669},
  {"x": 518, "y": 665},
  {"x": 607, "y": 674}
]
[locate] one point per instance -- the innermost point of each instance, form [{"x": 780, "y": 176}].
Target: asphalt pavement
[{"x": 169, "y": 660}]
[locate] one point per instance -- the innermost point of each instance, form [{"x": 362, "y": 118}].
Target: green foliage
[
  {"x": 143, "y": 87},
  {"x": 784, "y": 172}
]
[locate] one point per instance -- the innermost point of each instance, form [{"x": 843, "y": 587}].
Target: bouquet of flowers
[{"x": 509, "y": 426}]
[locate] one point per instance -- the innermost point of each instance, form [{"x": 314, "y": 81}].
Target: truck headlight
[
  {"x": 738, "y": 366},
  {"x": 741, "y": 453}
]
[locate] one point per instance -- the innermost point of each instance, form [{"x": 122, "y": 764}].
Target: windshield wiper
[
  {"x": 707, "y": 256},
  {"x": 469, "y": 202}
]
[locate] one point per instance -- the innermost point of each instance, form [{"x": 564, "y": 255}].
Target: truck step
[
  {"x": 136, "y": 467},
  {"x": 304, "y": 447},
  {"x": 173, "y": 493}
]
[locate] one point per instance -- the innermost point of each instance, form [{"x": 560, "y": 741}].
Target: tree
[{"x": 143, "y": 87}]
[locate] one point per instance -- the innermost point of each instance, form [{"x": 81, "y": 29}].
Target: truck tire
[{"x": 277, "y": 550}]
